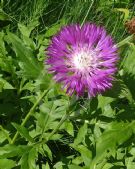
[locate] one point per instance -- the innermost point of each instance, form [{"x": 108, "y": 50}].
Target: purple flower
[{"x": 83, "y": 59}]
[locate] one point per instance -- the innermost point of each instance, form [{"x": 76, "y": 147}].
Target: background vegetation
[{"x": 99, "y": 133}]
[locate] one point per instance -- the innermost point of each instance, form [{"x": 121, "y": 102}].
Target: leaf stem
[
  {"x": 55, "y": 130},
  {"x": 46, "y": 120},
  {"x": 29, "y": 114}
]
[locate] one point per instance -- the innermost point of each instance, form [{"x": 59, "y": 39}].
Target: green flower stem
[
  {"x": 55, "y": 130},
  {"x": 29, "y": 114},
  {"x": 125, "y": 41}
]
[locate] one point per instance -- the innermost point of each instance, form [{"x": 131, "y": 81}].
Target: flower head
[{"x": 83, "y": 59}]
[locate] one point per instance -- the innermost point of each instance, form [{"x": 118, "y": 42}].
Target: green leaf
[
  {"x": 129, "y": 71},
  {"x": 24, "y": 161},
  {"x": 32, "y": 156},
  {"x": 130, "y": 162},
  {"x": 26, "y": 30},
  {"x": 2, "y": 44},
  {"x": 103, "y": 101},
  {"x": 113, "y": 136},
  {"x": 45, "y": 116},
  {"x": 104, "y": 105},
  {"x": 74, "y": 167},
  {"x": 107, "y": 166},
  {"x": 7, "y": 164},
  {"x": 47, "y": 151},
  {"x": 23, "y": 132},
  {"x": 125, "y": 92},
  {"x": 46, "y": 166},
  {"x": 56, "y": 137},
  {"x": 9, "y": 150},
  {"x": 27, "y": 61},
  {"x": 28, "y": 86},
  {"x": 58, "y": 165},
  {"x": 54, "y": 29},
  {"x": 4, "y": 84},
  {"x": 97, "y": 130},
  {"x": 4, "y": 135},
  {"x": 78, "y": 160},
  {"x": 69, "y": 128},
  {"x": 86, "y": 154},
  {"x": 5, "y": 61},
  {"x": 129, "y": 60},
  {"x": 28, "y": 160},
  {"x": 81, "y": 135}
]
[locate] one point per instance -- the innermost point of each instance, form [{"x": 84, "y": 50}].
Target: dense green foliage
[{"x": 40, "y": 126}]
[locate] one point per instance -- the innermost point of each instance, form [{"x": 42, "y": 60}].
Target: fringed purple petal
[{"x": 83, "y": 59}]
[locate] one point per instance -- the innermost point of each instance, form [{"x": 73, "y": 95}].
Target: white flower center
[{"x": 83, "y": 60}]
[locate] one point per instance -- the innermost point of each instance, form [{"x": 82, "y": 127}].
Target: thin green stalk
[
  {"x": 87, "y": 12},
  {"x": 46, "y": 120},
  {"x": 29, "y": 114},
  {"x": 55, "y": 130},
  {"x": 59, "y": 125}
]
